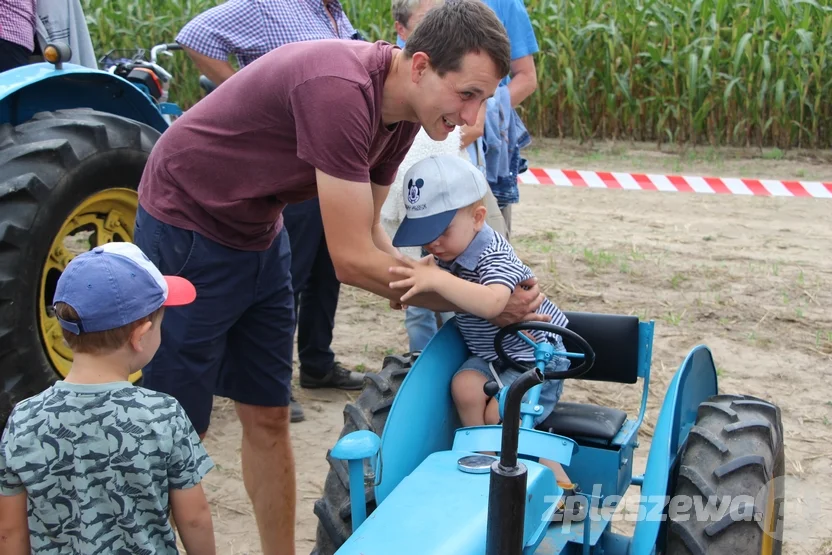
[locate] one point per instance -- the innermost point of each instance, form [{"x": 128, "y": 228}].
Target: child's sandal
[{"x": 577, "y": 507}]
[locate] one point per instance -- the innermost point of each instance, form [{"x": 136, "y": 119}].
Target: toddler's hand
[{"x": 420, "y": 275}]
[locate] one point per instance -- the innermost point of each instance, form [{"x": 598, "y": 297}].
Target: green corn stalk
[{"x": 724, "y": 72}]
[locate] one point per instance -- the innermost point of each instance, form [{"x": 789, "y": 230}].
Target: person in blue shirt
[
  {"x": 521, "y": 82},
  {"x": 421, "y": 323}
]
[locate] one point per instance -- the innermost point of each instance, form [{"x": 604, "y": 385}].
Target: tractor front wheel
[
  {"x": 68, "y": 182},
  {"x": 369, "y": 412},
  {"x": 728, "y": 486}
]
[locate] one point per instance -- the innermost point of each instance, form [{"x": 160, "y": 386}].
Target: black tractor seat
[
  {"x": 575, "y": 420},
  {"x": 615, "y": 340}
]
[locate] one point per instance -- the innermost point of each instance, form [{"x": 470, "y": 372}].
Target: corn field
[{"x": 718, "y": 72}]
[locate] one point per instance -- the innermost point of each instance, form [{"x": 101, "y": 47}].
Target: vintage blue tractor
[
  {"x": 73, "y": 145},
  {"x": 405, "y": 477}
]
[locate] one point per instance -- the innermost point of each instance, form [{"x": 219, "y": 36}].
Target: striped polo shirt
[{"x": 489, "y": 259}]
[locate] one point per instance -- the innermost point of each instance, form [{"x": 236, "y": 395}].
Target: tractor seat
[{"x": 575, "y": 420}]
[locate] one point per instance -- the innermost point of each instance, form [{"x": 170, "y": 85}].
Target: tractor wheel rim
[
  {"x": 769, "y": 523},
  {"x": 105, "y": 216}
]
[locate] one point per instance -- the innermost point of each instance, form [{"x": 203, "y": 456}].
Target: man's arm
[
  {"x": 214, "y": 69},
  {"x": 233, "y": 27},
  {"x": 381, "y": 239},
  {"x": 515, "y": 18},
  {"x": 348, "y": 212},
  {"x": 523, "y": 79},
  {"x": 14, "y": 525}
]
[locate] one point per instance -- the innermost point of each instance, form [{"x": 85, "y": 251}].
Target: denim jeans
[{"x": 421, "y": 325}]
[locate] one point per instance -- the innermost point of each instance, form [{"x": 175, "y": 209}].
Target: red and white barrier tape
[{"x": 677, "y": 183}]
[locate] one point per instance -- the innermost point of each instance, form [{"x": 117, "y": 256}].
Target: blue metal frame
[
  {"x": 33, "y": 88},
  {"x": 422, "y": 441},
  {"x": 426, "y": 391},
  {"x": 694, "y": 382}
]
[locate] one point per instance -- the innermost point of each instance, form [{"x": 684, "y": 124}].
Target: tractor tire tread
[
  {"x": 368, "y": 412},
  {"x": 36, "y": 159},
  {"x": 734, "y": 449}
]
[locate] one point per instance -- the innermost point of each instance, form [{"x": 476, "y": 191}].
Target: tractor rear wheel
[
  {"x": 68, "y": 182},
  {"x": 728, "y": 482},
  {"x": 369, "y": 412}
]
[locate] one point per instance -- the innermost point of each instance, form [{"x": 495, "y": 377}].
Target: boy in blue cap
[
  {"x": 95, "y": 464},
  {"x": 476, "y": 269}
]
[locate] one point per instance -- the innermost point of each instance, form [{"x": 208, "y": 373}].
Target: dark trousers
[
  {"x": 235, "y": 340},
  {"x": 12, "y": 55},
  {"x": 315, "y": 285}
]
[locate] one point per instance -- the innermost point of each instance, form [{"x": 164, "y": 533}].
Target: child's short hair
[{"x": 100, "y": 342}]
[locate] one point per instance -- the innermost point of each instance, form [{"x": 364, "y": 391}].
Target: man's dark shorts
[{"x": 236, "y": 339}]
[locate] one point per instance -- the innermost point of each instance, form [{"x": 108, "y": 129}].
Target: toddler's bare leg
[
  {"x": 560, "y": 474},
  {"x": 469, "y": 398},
  {"x": 492, "y": 416}
]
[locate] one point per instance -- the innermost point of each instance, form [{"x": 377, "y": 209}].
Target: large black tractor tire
[
  {"x": 369, "y": 412},
  {"x": 50, "y": 165},
  {"x": 733, "y": 454}
]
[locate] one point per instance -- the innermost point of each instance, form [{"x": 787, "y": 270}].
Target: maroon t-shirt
[{"x": 228, "y": 166}]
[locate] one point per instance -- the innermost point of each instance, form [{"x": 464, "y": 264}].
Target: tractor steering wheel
[{"x": 587, "y": 354}]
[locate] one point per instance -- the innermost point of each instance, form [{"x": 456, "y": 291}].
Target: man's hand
[
  {"x": 421, "y": 276},
  {"x": 522, "y": 304},
  {"x": 470, "y": 133},
  {"x": 357, "y": 259}
]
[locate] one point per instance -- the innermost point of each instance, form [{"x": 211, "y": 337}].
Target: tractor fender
[
  {"x": 41, "y": 87},
  {"x": 693, "y": 383},
  {"x": 422, "y": 419}
]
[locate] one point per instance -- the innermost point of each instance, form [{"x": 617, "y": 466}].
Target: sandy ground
[{"x": 749, "y": 277}]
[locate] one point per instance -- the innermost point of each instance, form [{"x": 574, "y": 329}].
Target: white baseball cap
[{"x": 434, "y": 189}]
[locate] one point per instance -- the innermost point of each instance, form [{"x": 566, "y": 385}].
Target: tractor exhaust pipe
[{"x": 507, "y": 489}]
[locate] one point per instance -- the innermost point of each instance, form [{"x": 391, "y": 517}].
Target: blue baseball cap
[
  {"x": 115, "y": 284},
  {"x": 435, "y": 188}
]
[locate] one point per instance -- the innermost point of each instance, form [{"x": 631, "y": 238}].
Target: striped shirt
[
  {"x": 17, "y": 22},
  {"x": 250, "y": 28},
  {"x": 489, "y": 259}
]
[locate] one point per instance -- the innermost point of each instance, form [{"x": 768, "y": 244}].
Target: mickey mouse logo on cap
[{"x": 413, "y": 190}]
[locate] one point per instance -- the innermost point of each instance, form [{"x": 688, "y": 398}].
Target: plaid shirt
[
  {"x": 251, "y": 28},
  {"x": 17, "y": 22}
]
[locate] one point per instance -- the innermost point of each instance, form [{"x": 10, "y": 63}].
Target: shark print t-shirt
[{"x": 97, "y": 462}]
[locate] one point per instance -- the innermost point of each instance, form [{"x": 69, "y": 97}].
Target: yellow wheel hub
[
  {"x": 770, "y": 523},
  {"x": 102, "y": 218}
]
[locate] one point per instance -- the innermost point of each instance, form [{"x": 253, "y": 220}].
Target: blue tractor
[
  {"x": 73, "y": 145},
  {"x": 406, "y": 478}
]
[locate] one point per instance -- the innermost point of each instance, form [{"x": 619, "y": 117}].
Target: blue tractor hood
[
  {"x": 41, "y": 87},
  {"x": 440, "y": 510}
]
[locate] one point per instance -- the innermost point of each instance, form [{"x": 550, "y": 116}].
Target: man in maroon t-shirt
[{"x": 331, "y": 118}]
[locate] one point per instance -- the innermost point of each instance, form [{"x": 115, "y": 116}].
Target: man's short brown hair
[
  {"x": 456, "y": 28},
  {"x": 100, "y": 342}
]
